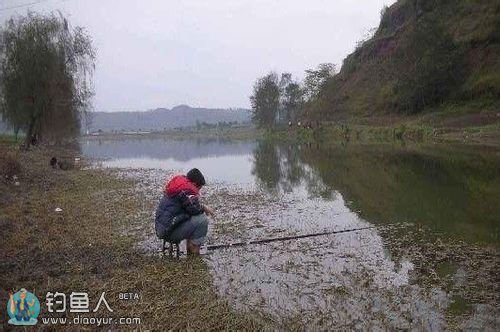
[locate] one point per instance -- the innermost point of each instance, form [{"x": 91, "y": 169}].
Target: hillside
[
  {"x": 162, "y": 118},
  {"x": 427, "y": 56}
]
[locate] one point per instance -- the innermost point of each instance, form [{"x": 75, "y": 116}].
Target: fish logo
[{"x": 23, "y": 308}]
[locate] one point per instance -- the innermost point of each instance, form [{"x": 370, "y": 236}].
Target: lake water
[
  {"x": 452, "y": 189},
  {"x": 264, "y": 189}
]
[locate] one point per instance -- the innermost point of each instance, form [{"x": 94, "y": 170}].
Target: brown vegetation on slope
[{"x": 425, "y": 55}]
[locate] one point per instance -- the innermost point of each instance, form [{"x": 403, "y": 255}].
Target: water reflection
[
  {"x": 161, "y": 148},
  {"x": 264, "y": 189},
  {"x": 454, "y": 190},
  {"x": 353, "y": 279},
  {"x": 281, "y": 169},
  {"x": 220, "y": 159}
]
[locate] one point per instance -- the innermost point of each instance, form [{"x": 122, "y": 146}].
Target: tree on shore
[
  {"x": 291, "y": 98},
  {"x": 316, "y": 79},
  {"x": 46, "y": 69},
  {"x": 265, "y": 100},
  {"x": 280, "y": 99},
  {"x": 276, "y": 99}
]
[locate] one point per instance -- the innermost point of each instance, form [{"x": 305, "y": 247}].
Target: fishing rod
[{"x": 284, "y": 238}]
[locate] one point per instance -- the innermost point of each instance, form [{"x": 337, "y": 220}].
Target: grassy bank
[
  {"x": 471, "y": 123},
  {"x": 86, "y": 248},
  {"x": 10, "y": 139},
  {"x": 376, "y": 132},
  {"x": 373, "y": 131}
]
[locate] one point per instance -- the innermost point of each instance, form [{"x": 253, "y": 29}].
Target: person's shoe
[{"x": 192, "y": 249}]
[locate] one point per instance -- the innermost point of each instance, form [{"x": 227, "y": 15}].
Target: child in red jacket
[{"x": 180, "y": 215}]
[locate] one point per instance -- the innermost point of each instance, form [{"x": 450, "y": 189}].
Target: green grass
[
  {"x": 458, "y": 306},
  {"x": 11, "y": 139},
  {"x": 492, "y": 128}
]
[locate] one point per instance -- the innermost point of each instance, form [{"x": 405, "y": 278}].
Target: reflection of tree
[
  {"x": 292, "y": 168},
  {"x": 279, "y": 167},
  {"x": 266, "y": 164},
  {"x": 453, "y": 190},
  {"x": 450, "y": 189}
]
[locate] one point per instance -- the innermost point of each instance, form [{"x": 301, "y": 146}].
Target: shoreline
[
  {"x": 88, "y": 247},
  {"x": 331, "y": 133},
  {"x": 435, "y": 257},
  {"x": 106, "y": 214}
]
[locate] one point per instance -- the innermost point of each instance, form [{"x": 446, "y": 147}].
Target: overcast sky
[{"x": 206, "y": 53}]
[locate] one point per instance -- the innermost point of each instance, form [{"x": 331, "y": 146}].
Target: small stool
[{"x": 171, "y": 246}]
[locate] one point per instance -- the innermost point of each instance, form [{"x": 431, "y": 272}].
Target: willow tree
[{"x": 46, "y": 71}]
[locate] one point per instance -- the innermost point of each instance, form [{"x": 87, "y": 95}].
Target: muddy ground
[
  {"x": 393, "y": 277},
  {"x": 90, "y": 246}
]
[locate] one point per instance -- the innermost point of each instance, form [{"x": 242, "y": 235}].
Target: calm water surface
[{"x": 452, "y": 189}]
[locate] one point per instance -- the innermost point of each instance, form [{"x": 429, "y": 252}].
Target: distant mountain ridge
[{"x": 164, "y": 118}]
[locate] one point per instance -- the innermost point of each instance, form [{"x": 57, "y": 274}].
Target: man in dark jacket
[{"x": 180, "y": 214}]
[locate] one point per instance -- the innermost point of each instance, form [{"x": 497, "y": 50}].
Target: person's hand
[{"x": 208, "y": 211}]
